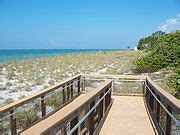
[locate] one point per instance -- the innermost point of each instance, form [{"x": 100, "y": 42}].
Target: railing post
[
  {"x": 43, "y": 106},
  {"x": 113, "y": 86},
  {"x": 71, "y": 89},
  {"x": 143, "y": 87},
  {"x": 110, "y": 93},
  {"x": 79, "y": 85},
  {"x": 64, "y": 94},
  {"x": 83, "y": 84},
  {"x": 168, "y": 121},
  {"x": 158, "y": 109},
  {"x": 86, "y": 123},
  {"x": 106, "y": 99},
  {"x": 68, "y": 91},
  {"x": 101, "y": 108},
  {"x": 104, "y": 103},
  {"x": 73, "y": 123},
  {"x": 91, "y": 119},
  {"x": 13, "y": 123},
  {"x": 145, "y": 90},
  {"x": 152, "y": 101}
]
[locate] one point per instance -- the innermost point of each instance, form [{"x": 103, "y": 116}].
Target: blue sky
[{"x": 109, "y": 24}]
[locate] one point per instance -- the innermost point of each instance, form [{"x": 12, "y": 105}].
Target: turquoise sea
[{"x": 22, "y": 54}]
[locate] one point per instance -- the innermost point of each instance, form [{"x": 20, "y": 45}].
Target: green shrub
[
  {"x": 146, "y": 42},
  {"x": 165, "y": 53},
  {"x": 143, "y": 65},
  {"x": 174, "y": 81},
  {"x": 27, "y": 117},
  {"x": 162, "y": 55},
  {"x": 150, "y": 41}
]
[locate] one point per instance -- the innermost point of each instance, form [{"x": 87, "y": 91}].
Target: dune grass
[{"x": 26, "y": 75}]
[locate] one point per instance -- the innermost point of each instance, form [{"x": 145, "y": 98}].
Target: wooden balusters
[
  {"x": 63, "y": 94},
  {"x": 146, "y": 90},
  {"x": 110, "y": 87},
  {"x": 168, "y": 121},
  {"x": 68, "y": 91},
  {"x": 43, "y": 106},
  {"x": 71, "y": 89},
  {"x": 107, "y": 100},
  {"x": 79, "y": 85},
  {"x": 13, "y": 123},
  {"x": 152, "y": 101},
  {"x": 158, "y": 109},
  {"x": 104, "y": 104},
  {"x": 101, "y": 108},
  {"x": 73, "y": 123},
  {"x": 91, "y": 119},
  {"x": 85, "y": 125},
  {"x": 83, "y": 84},
  {"x": 143, "y": 87},
  {"x": 154, "y": 95}
]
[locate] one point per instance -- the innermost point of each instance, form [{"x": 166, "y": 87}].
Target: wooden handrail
[
  {"x": 173, "y": 102},
  {"x": 115, "y": 76},
  {"x": 159, "y": 101},
  {"x": 66, "y": 113},
  {"x": 170, "y": 99},
  {"x": 39, "y": 94},
  {"x": 50, "y": 89}
]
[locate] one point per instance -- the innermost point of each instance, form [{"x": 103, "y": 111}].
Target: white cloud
[{"x": 171, "y": 24}]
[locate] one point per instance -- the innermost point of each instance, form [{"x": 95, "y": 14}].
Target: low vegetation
[
  {"x": 162, "y": 52},
  {"x": 22, "y": 78}
]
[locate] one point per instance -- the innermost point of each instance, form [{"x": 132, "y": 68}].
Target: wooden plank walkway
[{"x": 127, "y": 116}]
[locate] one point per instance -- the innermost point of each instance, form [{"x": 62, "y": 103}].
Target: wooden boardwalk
[{"x": 127, "y": 116}]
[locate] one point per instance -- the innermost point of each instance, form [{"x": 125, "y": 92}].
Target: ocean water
[{"x": 22, "y": 54}]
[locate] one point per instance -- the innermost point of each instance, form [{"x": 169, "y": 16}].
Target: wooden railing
[
  {"x": 85, "y": 115},
  {"x": 25, "y": 112},
  {"x": 123, "y": 85},
  {"x": 163, "y": 107}
]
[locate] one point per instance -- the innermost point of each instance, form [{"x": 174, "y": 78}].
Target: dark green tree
[
  {"x": 165, "y": 53},
  {"x": 158, "y": 34},
  {"x": 148, "y": 42}
]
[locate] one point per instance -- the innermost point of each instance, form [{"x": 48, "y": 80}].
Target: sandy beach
[{"x": 23, "y": 78}]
